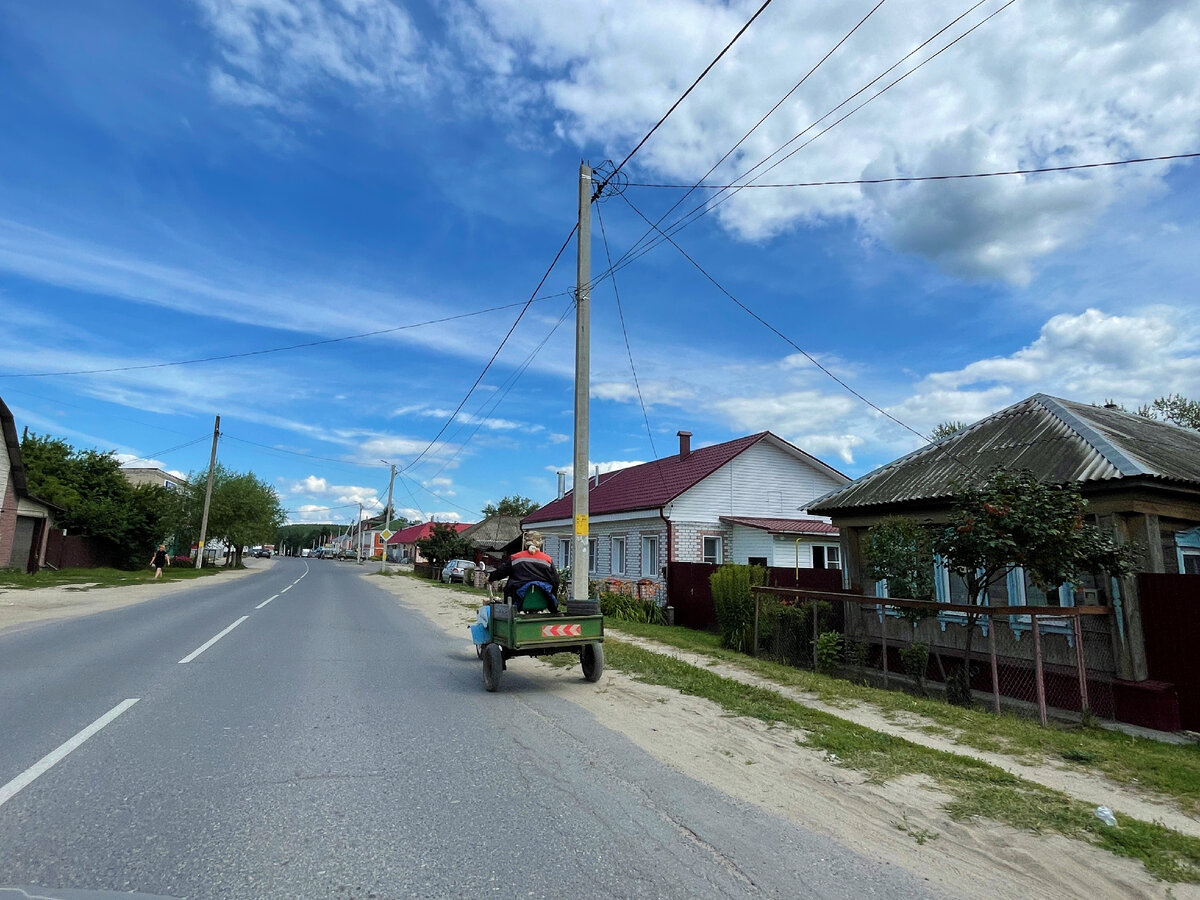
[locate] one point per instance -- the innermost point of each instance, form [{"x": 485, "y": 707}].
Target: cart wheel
[
  {"x": 592, "y": 657},
  {"x": 493, "y": 664}
]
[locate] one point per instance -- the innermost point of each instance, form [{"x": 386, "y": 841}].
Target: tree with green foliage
[
  {"x": 1013, "y": 519},
  {"x": 946, "y": 429},
  {"x": 443, "y": 544},
  {"x": 1174, "y": 408},
  {"x": 244, "y": 510},
  {"x": 96, "y": 500},
  {"x": 900, "y": 551},
  {"x": 515, "y": 505}
]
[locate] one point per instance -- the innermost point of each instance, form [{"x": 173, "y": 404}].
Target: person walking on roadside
[{"x": 160, "y": 559}]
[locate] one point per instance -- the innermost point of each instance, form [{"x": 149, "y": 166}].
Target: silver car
[{"x": 458, "y": 570}]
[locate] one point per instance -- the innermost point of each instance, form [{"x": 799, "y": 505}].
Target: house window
[
  {"x": 1023, "y": 592},
  {"x": 618, "y": 556},
  {"x": 1187, "y": 548},
  {"x": 564, "y": 553},
  {"x": 712, "y": 551},
  {"x": 757, "y": 561},
  {"x": 826, "y": 556},
  {"x": 593, "y": 553},
  {"x": 650, "y": 556}
]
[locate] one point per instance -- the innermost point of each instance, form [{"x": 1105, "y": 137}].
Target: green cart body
[{"x": 536, "y": 631}]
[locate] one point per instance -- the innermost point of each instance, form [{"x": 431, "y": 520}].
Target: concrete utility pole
[
  {"x": 212, "y": 464},
  {"x": 358, "y": 534},
  {"x": 579, "y": 480},
  {"x": 387, "y": 515}
]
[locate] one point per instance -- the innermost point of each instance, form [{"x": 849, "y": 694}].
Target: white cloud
[
  {"x": 1050, "y": 83},
  {"x": 605, "y": 467}
]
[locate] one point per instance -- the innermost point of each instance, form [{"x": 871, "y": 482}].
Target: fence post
[
  {"x": 754, "y": 650},
  {"x": 883, "y": 632},
  {"x": 995, "y": 669},
  {"x": 1081, "y": 665},
  {"x": 813, "y": 607},
  {"x": 1038, "y": 675}
]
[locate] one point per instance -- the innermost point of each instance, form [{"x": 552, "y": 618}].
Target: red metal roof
[
  {"x": 649, "y": 485},
  {"x": 784, "y": 526},
  {"x": 414, "y": 533}
]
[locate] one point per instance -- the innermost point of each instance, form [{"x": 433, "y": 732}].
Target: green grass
[
  {"x": 1169, "y": 770},
  {"x": 977, "y": 789},
  {"x": 98, "y": 578}
]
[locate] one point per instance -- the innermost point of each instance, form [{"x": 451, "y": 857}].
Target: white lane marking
[
  {"x": 286, "y": 589},
  {"x": 265, "y": 602},
  {"x": 211, "y": 641},
  {"x": 47, "y": 762}
]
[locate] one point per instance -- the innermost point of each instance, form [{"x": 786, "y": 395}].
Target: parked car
[
  {"x": 261, "y": 552},
  {"x": 458, "y": 570}
]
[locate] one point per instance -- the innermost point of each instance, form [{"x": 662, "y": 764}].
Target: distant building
[
  {"x": 136, "y": 476},
  {"x": 25, "y": 521}
]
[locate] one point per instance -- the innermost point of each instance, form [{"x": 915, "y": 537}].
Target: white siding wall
[
  {"x": 633, "y": 530},
  {"x": 5, "y": 468},
  {"x": 748, "y": 542},
  {"x": 764, "y": 481},
  {"x": 785, "y": 552}
]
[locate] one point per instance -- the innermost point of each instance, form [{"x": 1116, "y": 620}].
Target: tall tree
[
  {"x": 444, "y": 544},
  {"x": 946, "y": 429},
  {"x": 96, "y": 499},
  {"x": 1174, "y": 408},
  {"x": 516, "y": 505}
]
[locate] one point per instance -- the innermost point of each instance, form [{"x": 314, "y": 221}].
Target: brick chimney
[{"x": 685, "y": 444}]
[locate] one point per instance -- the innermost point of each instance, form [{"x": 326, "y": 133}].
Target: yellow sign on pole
[
  {"x": 385, "y": 534},
  {"x": 581, "y": 524}
]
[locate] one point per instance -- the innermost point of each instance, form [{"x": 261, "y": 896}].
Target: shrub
[
  {"x": 623, "y": 606},
  {"x": 734, "y": 603},
  {"x": 915, "y": 659},
  {"x": 829, "y": 651}
]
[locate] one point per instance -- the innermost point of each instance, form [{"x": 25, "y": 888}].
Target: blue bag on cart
[{"x": 479, "y": 631}]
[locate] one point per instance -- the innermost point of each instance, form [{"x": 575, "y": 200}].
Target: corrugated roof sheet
[
  {"x": 784, "y": 526},
  {"x": 1060, "y": 441},
  {"x": 494, "y": 532},
  {"x": 416, "y": 532}
]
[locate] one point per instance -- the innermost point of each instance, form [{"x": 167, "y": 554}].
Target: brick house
[
  {"x": 742, "y": 501},
  {"x": 25, "y": 521}
]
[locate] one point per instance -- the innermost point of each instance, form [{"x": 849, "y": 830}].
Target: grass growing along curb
[
  {"x": 977, "y": 788},
  {"x": 100, "y": 578},
  {"x": 1170, "y": 770}
]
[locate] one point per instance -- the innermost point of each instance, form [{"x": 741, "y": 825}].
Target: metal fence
[{"x": 1026, "y": 658}]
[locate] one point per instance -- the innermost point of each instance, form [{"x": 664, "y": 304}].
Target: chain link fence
[{"x": 1035, "y": 660}]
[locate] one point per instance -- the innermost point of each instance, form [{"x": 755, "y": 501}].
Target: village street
[{"x": 337, "y": 741}]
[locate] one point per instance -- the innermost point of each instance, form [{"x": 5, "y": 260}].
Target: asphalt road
[{"x": 333, "y": 744}]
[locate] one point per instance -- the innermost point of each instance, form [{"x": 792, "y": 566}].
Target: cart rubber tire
[
  {"x": 493, "y": 665},
  {"x": 592, "y": 658}
]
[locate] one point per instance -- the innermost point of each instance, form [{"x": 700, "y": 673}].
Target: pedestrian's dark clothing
[
  {"x": 160, "y": 558},
  {"x": 525, "y": 568}
]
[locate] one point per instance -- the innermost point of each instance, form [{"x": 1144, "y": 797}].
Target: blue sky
[{"x": 189, "y": 180}]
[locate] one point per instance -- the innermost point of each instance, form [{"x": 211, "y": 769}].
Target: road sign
[{"x": 385, "y": 534}]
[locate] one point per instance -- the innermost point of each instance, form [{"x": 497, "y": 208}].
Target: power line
[
  {"x": 758, "y": 124},
  {"x": 343, "y": 462},
  {"x": 600, "y": 189},
  {"x": 625, "y": 333},
  {"x": 306, "y": 344},
  {"x": 158, "y": 453},
  {"x": 911, "y": 178},
  {"x": 504, "y": 341},
  {"x": 708, "y": 205},
  {"x": 437, "y": 495},
  {"x": 776, "y": 331}
]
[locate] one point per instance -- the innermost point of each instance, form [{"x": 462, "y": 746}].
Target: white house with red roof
[
  {"x": 403, "y": 544},
  {"x": 742, "y": 501}
]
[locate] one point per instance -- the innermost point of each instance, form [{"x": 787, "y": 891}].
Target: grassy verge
[
  {"x": 1170, "y": 770},
  {"x": 98, "y": 578},
  {"x": 977, "y": 789}
]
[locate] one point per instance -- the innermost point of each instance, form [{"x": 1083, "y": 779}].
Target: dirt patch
[{"x": 901, "y": 821}]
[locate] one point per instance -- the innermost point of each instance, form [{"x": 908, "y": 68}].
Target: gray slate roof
[
  {"x": 1060, "y": 441},
  {"x": 494, "y": 532}
]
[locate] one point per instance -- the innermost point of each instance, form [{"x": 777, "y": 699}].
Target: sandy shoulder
[
  {"x": 22, "y": 607},
  {"x": 901, "y": 822}
]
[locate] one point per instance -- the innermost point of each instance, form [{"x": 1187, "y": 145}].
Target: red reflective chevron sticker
[{"x": 562, "y": 630}]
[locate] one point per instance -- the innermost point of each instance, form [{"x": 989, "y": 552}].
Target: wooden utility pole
[
  {"x": 579, "y": 480},
  {"x": 212, "y": 464}
]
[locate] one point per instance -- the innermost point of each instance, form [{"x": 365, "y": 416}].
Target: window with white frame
[
  {"x": 593, "y": 553},
  {"x": 618, "y": 556},
  {"x": 711, "y": 550},
  {"x": 826, "y": 556},
  {"x": 1187, "y": 550},
  {"x": 650, "y": 555},
  {"x": 1023, "y": 592},
  {"x": 564, "y": 553}
]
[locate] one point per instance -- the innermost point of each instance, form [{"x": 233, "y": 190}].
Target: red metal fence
[{"x": 1170, "y": 606}]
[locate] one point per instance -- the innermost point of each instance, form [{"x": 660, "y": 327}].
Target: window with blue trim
[
  {"x": 1187, "y": 551},
  {"x": 1023, "y": 592}
]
